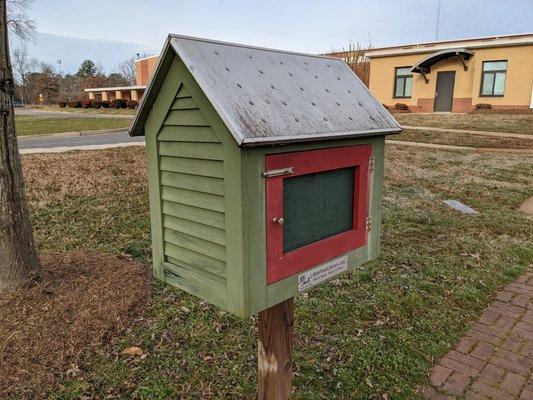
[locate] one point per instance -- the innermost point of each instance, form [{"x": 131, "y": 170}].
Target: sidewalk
[{"x": 494, "y": 361}]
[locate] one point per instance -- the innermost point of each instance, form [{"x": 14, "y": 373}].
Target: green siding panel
[
  {"x": 186, "y": 117},
  {"x": 202, "y": 216},
  {"x": 203, "y": 184},
  {"x": 195, "y": 244},
  {"x": 193, "y": 166},
  {"x": 202, "y": 134},
  {"x": 205, "y": 151},
  {"x": 192, "y": 189},
  {"x": 196, "y": 285},
  {"x": 196, "y": 259},
  {"x": 177, "y": 267},
  {"x": 194, "y": 198},
  {"x": 201, "y": 231},
  {"x": 184, "y": 103},
  {"x": 183, "y": 92}
]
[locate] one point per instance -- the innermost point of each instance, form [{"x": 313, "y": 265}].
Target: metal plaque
[{"x": 322, "y": 273}]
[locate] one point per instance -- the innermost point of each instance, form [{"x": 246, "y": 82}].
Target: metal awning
[{"x": 424, "y": 65}]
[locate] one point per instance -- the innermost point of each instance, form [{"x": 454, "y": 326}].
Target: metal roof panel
[{"x": 263, "y": 93}]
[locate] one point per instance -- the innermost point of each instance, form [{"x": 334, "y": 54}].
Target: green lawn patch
[
  {"x": 463, "y": 139},
  {"x": 513, "y": 123},
  {"x": 110, "y": 111},
  {"x": 373, "y": 332},
  {"x": 30, "y": 125}
]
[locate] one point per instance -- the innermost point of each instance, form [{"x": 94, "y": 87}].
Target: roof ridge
[{"x": 253, "y": 47}]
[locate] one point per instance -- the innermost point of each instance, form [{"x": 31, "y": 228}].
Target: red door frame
[{"x": 281, "y": 265}]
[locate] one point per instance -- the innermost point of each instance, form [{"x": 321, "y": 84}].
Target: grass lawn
[
  {"x": 372, "y": 332},
  {"x": 515, "y": 123},
  {"x": 111, "y": 111},
  {"x": 30, "y": 125},
  {"x": 463, "y": 139}
]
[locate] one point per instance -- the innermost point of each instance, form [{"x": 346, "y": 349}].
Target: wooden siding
[{"x": 192, "y": 200}]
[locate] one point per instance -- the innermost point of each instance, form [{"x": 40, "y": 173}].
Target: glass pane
[
  {"x": 403, "y": 71},
  {"x": 488, "y": 80},
  {"x": 316, "y": 206},
  {"x": 499, "y": 83},
  {"x": 399, "y": 87},
  {"x": 408, "y": 86},
  {"x": 495, "y": 66}
]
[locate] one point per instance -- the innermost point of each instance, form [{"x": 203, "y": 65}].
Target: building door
[{"x": 444, "y": 91}]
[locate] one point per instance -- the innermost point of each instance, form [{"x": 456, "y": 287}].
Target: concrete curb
[
  {"x": 73, "y": 133},
  {"x": 483, "y": 133}
]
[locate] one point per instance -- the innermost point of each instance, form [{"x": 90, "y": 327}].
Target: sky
[{"x": 306, "y": 25}]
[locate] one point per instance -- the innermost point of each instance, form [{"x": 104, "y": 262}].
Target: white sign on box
[{"x": 322, "y": 273}]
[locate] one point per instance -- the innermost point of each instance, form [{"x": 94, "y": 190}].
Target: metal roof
[
  {"x": 269, "y": 96},
  {"x": 425, "y": 64}
]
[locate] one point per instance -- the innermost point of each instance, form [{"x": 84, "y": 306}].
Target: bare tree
[
  {"x": 19, "y": 20},
  {"x": 18, "y": 255},
  {"x": 127, "y": 70},
  {"x": 355, "y": 57},
  {"x": 23, "y": 66}
]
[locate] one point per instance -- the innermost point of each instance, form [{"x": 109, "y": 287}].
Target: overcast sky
[{"x": 305, "y": 25}]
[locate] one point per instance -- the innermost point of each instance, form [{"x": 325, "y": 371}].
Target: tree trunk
[{"x": 18, "y": 256}]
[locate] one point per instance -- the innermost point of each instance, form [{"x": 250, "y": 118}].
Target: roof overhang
[
  {"x": 424, "y": 65},
  {"x": 475, "y": 43}
]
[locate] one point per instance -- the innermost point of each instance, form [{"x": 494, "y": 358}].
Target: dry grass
[
  {"x": 514, "y": 123},
  {"x": 463, "y": 139},
  {"x": 78, "y": 307},
  {"x": 372, "y": 333}
]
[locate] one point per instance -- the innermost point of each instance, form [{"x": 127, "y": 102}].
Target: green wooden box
[{"x": 214, "y": 115}]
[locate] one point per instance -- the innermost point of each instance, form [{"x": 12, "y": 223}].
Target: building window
[
  {"x": 493, "y": 78},
  {"x": 403, "y": 83}
]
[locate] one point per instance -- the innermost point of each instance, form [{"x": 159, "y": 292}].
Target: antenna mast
[{"x": 438, "y": 21}]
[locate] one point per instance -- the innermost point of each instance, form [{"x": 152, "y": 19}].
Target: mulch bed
[{"x": 78, "y": 306}]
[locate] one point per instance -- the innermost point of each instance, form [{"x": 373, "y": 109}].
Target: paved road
[
  {"x": 73, "y": 142},
  {"x": 66, "y": 114}
]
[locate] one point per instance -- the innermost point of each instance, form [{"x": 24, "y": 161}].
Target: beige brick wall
[{"x": 518, "y": 85}]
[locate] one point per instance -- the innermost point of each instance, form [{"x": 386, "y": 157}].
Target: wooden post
[{"x": 275, "y": 351}]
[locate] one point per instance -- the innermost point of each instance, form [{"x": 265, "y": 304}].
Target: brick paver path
[{"x": 495, "y": 358}]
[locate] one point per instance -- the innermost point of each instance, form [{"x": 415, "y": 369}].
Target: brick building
[
  {"x": 143, "y": 71},
  {"x": 454, "y": 76}
]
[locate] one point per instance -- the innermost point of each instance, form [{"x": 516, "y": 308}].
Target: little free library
[{"x": 265, "y": 171}]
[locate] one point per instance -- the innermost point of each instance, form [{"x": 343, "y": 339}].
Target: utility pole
[
  {"x": 437, "y": 25},
  {"x": 59, "y": 66}
]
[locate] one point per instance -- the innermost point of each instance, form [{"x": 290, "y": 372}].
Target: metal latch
[
  {"x": 371, "y": 163},
  {"x": 278, "y": 172},
  {"x": 368, "y": 223}
]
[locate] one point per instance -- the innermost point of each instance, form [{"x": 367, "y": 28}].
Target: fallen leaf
[{"x": 132, "y": 351}]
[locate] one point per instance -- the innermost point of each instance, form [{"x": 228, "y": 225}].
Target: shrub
[
  {"x": 86, "y": 104},
  {"x": 132, "y": 103},
  {"x": 74, "y": 104},
  {"x": 62, "y": 104},
  {"x": 96, "y": 104},
  {"x": 401, "y": 106},
  {"x": 483, "y": 106},
  {"x": 386, "y": 106},
  {"x": 105, "y": 103},
  {"x": 118, "y": 103}
]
